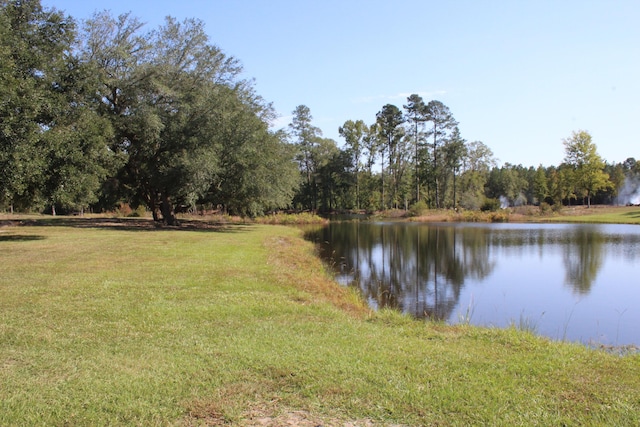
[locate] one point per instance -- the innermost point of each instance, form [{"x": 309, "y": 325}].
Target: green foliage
[
  {"x": 158, "y": 118},
  {"x": 490, "y": 205},
  {"x": 189, "y": 128},
  {"x": 546, "y": 208},
  {"x": 306, "y": 137},
  {"x": 117, "y": 114},
  {"x": 390, "y": 132},
  {"x": 419, "y": 208},
  {"x": 125, "y": 211},
  {"x": 499, "y": 216},
  {"x": 291, "y": 219},
  {"x": 540, "y": 185},
  {"x": 588, "y": 166},
  {"x": 509, "y": 182},
  {"x": 52, "y": 143},
  {"x": 442, "y": 126},
  {"x": 354, "y": 134},
  {"x": 416, "y": 113}
]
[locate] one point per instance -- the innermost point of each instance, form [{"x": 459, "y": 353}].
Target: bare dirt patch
[{"x": 260, "y": 417}]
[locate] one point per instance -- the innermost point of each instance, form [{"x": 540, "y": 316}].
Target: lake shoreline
[{"x": 604, "y": 214}]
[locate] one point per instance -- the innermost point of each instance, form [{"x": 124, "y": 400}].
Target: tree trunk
[
  {"x": 382, "y": 206},
  {"x": 53, "y": 209},
  {"x": 357, "y": 190},
  {"x": 168, "y": 213},
  {"x": 454, "y": 189},
  {"x": 153, "y": 206},
  {"x": 416, "y": 167},
  {"x": 435, "y": 163}
]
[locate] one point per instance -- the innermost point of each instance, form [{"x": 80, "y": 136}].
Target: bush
[
  {"x": 124, "y": 210},
  {"x": 545, "y": 208},
  {"x": 472, "y": 216},
  {"x": 418, "y": 209},
  {"x": 291, "y": 219},
  {"x": 490, "y": 205},
  {"x": 501, "y": 216}
]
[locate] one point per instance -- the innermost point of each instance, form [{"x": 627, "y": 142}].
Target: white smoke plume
[{"x": 629, "y": 194}]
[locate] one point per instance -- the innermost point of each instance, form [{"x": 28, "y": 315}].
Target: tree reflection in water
[
  {"x": 583, "y": 258},
  {"x": 580, "y": 277},
  {"x": 409, "y": 267}
]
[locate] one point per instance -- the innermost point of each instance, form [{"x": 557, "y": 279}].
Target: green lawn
[
  {"x": 124, "y": 324},
  {"x": 602, "y": 214}
]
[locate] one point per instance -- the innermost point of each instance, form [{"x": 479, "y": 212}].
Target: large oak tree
[
  {"x": 187, "y": 126},
  {"x": 53, "y": 144}
]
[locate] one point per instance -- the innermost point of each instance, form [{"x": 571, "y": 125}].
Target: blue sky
[{"x": 519, "y": 76}]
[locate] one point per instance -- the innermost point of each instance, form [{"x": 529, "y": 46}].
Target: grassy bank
[
  {"x": 600, "y": 214},
  {"x": 120, "y": 323},
  {"x": 595, "y": 214}
]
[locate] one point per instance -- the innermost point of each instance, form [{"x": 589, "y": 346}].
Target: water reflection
[
  {"x": 583, "y": 258},
  {"x": 498, "y": 271},
  {"x": 415, "y": 269}
]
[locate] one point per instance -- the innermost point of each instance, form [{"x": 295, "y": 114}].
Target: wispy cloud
[
  {"x": 426, "y": 95},
  {"x": 281, "y": 122}
]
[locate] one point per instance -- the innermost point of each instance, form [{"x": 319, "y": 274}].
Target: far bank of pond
[{"x": 575, "y": 282}]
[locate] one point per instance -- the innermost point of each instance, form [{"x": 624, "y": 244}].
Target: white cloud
[{"x": 281, "y": 122}]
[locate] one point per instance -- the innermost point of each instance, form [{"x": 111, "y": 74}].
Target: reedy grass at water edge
[
  {"x": 171, "y": 327},
  {"x": 595, "y": 214}
]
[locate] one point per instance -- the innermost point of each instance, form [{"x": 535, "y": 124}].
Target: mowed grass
[
  {"x": 600, "y": 214},
  {"x": 127, "y": 325}
]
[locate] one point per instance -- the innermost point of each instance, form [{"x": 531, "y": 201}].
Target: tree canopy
[
  {"x": 112, "y": 112},
  {"x": 587, "y": 165},
  {"x": 109, "y": 112}
]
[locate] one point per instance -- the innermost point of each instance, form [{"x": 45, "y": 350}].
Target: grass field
[
  {"x": 601, "y": 214},
  {"x": 120, "y": 323}
]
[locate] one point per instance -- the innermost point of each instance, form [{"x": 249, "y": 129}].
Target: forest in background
[
  {"x": 416, "y": 157},
  {"x": 102, "y": 114}
]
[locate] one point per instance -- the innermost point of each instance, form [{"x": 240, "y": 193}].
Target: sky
[{"x": 518, "y": 75}]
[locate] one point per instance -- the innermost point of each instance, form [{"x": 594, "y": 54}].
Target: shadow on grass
[
  {"x": 134, "y": 224},
  {"x": 633, "y": 214},
  {"x": 19, "y": 238}
]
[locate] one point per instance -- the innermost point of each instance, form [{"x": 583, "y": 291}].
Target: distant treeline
[
  {"x": 103, "y": 114},
  {"x": 417, "y": 156}
]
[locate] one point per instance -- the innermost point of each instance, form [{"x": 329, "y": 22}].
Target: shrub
[
  {"x": 545, "y": 208},
  {"x": 138, "y": 212},
  {"x": 291, "y": 219},
  {"x": 500, "y": 216},
  {"x": 418, "y": 209},
  {"x": 490, "y": 205},
  {"x": 124, "y": 210},
  {"x": 472, "y": 216}
]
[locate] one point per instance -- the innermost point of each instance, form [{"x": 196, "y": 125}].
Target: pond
[{"x": 578, "y": 282}]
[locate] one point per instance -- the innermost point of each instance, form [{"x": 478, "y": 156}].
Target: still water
[{"x": 573, "y": 282}]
